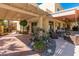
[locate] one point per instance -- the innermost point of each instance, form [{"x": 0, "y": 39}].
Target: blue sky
[{"x": 69, "y": 5}]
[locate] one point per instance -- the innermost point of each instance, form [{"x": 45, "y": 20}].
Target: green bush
[
  {"x": 23, "y": 23},
  {"x": 39, "y": 45}
]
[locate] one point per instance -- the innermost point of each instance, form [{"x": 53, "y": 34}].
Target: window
[{"x": 58, "y": 9}]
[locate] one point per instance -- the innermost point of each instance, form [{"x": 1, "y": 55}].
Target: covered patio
[
  {"x": 69, "y": 17},
  {"x": 70, "y": 24},
  {"x": 12, "y": 13},
  {"x": 15, "y": 44}
]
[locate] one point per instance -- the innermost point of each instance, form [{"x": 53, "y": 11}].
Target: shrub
[{"x": 39, "y": 46}]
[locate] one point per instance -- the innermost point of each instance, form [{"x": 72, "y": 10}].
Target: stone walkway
[
  {"x": 15, "y": 45},
  {"x": 64, "y": 48}
]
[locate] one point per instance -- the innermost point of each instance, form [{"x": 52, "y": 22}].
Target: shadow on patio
[
  {"x": 15, "y": 45},
  {"x": 63, "y": 48},
  {"x": 23, "y": 53},
  {"x": 24, "y": 38}
]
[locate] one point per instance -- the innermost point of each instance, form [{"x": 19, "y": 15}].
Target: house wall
[
  {"x": 56, "y": 23},
  {"x": 58, "y": 7},
  {"x": 43, "y": 22}
]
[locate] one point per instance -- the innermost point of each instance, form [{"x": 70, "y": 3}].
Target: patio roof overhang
[
  {"x": 15, "y": 11},
  {"x": 70, "y": 15}
]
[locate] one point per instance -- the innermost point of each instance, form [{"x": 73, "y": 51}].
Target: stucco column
[
  {"x": 54, "y": 25},
  {"x": 46, "y": 24},
  {"x": 30, "y": 28},
  {"x": 18, "y": 25},
  {"x": 43, "y": 23},
  {"x": 40, "y": 22}
]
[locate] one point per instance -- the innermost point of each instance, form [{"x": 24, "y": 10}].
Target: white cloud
[{"x": 49, "y": 6}]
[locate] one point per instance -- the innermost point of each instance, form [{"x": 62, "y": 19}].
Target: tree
[{"x": 23, "y": 23}]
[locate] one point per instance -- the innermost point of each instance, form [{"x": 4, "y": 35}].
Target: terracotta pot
[{"x": 39, "y": 50}]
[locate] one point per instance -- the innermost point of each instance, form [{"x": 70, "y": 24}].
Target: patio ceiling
[
  {"x": 17, "y": 11},
  {"x": 11, "y": 15}
]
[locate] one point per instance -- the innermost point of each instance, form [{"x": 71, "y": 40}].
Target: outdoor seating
[
  {"x": 67, "y": 36},
  {"x": 60, "y": 32},
  {"x": 53, "y": 35},
  {"x": 72, "y": 37},
  {"x": 75, "y": 39}
]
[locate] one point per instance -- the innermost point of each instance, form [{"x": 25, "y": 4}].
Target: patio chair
[
  {"x": 53, "y": 35},
  {"x": 67, "y": 37}
]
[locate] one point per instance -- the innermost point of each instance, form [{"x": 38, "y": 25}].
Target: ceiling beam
[{"x": 17, "y": 10}]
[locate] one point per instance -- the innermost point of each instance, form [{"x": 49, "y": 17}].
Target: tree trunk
[
  {"x": 20, "y": 28},
  {"x": 23, "y": 29}
]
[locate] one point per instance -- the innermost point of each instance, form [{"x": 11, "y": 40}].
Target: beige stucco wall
[
  {"x": 58, "y": 6},
  {"x": 43, "y": 23}
]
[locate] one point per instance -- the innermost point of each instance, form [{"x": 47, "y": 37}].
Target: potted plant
[
  {"x": 23, "y": 23},
  {"x": 39, "y": 46},
  {"x": 39, "y": 40}
]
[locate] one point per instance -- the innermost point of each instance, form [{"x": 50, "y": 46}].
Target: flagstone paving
[
  {"x": 64, "y": 48},
  {"x": 12, "y": 45},
  {"x": 19, "y": 43}
]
